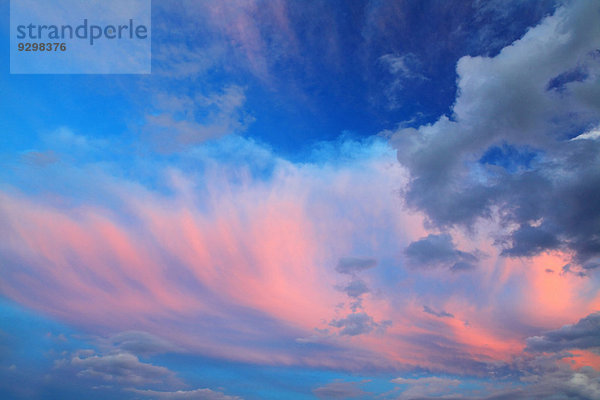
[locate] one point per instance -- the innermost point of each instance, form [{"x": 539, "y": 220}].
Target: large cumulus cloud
[{"x": 508, "y": 151}]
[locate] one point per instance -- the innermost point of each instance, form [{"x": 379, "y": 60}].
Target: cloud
[
  {"x": 539, "y": 379},
  {"x": 426, "y": 387},
  {"x": 528, "y": 241},
  {"x": 228, "y": 250},
  {"x": 549, "y": 381},
  {"x": 184, "y": 61},
  {"x": 238, "y": 243},
  {"x": 585, "y": 334},
  {"x": 353, "y": 265},
  {"x": 356, "y": 288},
  {"x": 440, "y": 314},
  {"x": 354, "y": 324},
  {"x": 560, "y": 383},
  {"x": 239, "y": 252},
  {"x": 438, "y": 250},
  {"x": 252, "y": 36},
  {"x": 358, "y": 323},
  {"x": 593, "y": 134},
  {"x": 405, "y": 66},
  {"x": 543, "y": 204},
  {"x": 197, "y": 394},
  {"x": 139, "y": 343},
  {"x": 340, "y": 390},
  {"x": 405, "y": 69},
  {"x": 180, "y": 121},
  {"x": 253, "y": 249},
  {"x": 119, "y": 368}
]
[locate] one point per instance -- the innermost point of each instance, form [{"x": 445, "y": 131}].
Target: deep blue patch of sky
[{"x": 316, "y": 95}]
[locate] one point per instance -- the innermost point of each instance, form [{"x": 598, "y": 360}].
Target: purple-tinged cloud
[
  {"x": 121, "y": 368},
  {"x": 438, "y": 250},
  {"x": 429, "y": 387},
  {"x": 356, "y": 288},
  {"x": 340, "y": 390},
  {"x": 354, "y": 265},
  {"x": 139, "y": 343},
  {"x": 585, "y": 334},
  {"x": 439, "y": 314}
]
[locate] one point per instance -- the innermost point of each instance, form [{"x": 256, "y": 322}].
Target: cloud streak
[{"x": 245, "y": 255}]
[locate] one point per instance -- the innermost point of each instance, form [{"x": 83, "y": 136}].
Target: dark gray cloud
[
  {"x": 355, "y": 324},
  {"x": 585, "y": 334},
  {"x": 440, "y": 314},
  {"x": 517, "y": 149},
  {"x": 339, "y": 390},
  {"x": 438, "y": 250},
  {"x": 359, "y": 323},
  {"x": 573, "y": 269},
  {"x": 529, "y": 241},
  {"x": 356, "y": 288},
  {"x": 353, "y": 265}
]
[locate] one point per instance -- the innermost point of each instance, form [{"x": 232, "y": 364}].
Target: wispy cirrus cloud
[
  {"x": 260, "y": 245},
  {"x": 180, "y": 122},
  {"x": 192, "y": 242},
  {"x": 171, "y": 256}
]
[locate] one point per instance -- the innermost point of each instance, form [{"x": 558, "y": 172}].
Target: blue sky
[
  {"x": 315, "y": 91},
  {"x": 320, "y": 199}
]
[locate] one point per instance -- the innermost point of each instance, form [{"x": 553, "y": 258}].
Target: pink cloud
[{"x": 244, "y": 263}]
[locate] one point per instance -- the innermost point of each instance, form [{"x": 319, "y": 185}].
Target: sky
[{"x": 314, "y": 199}]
